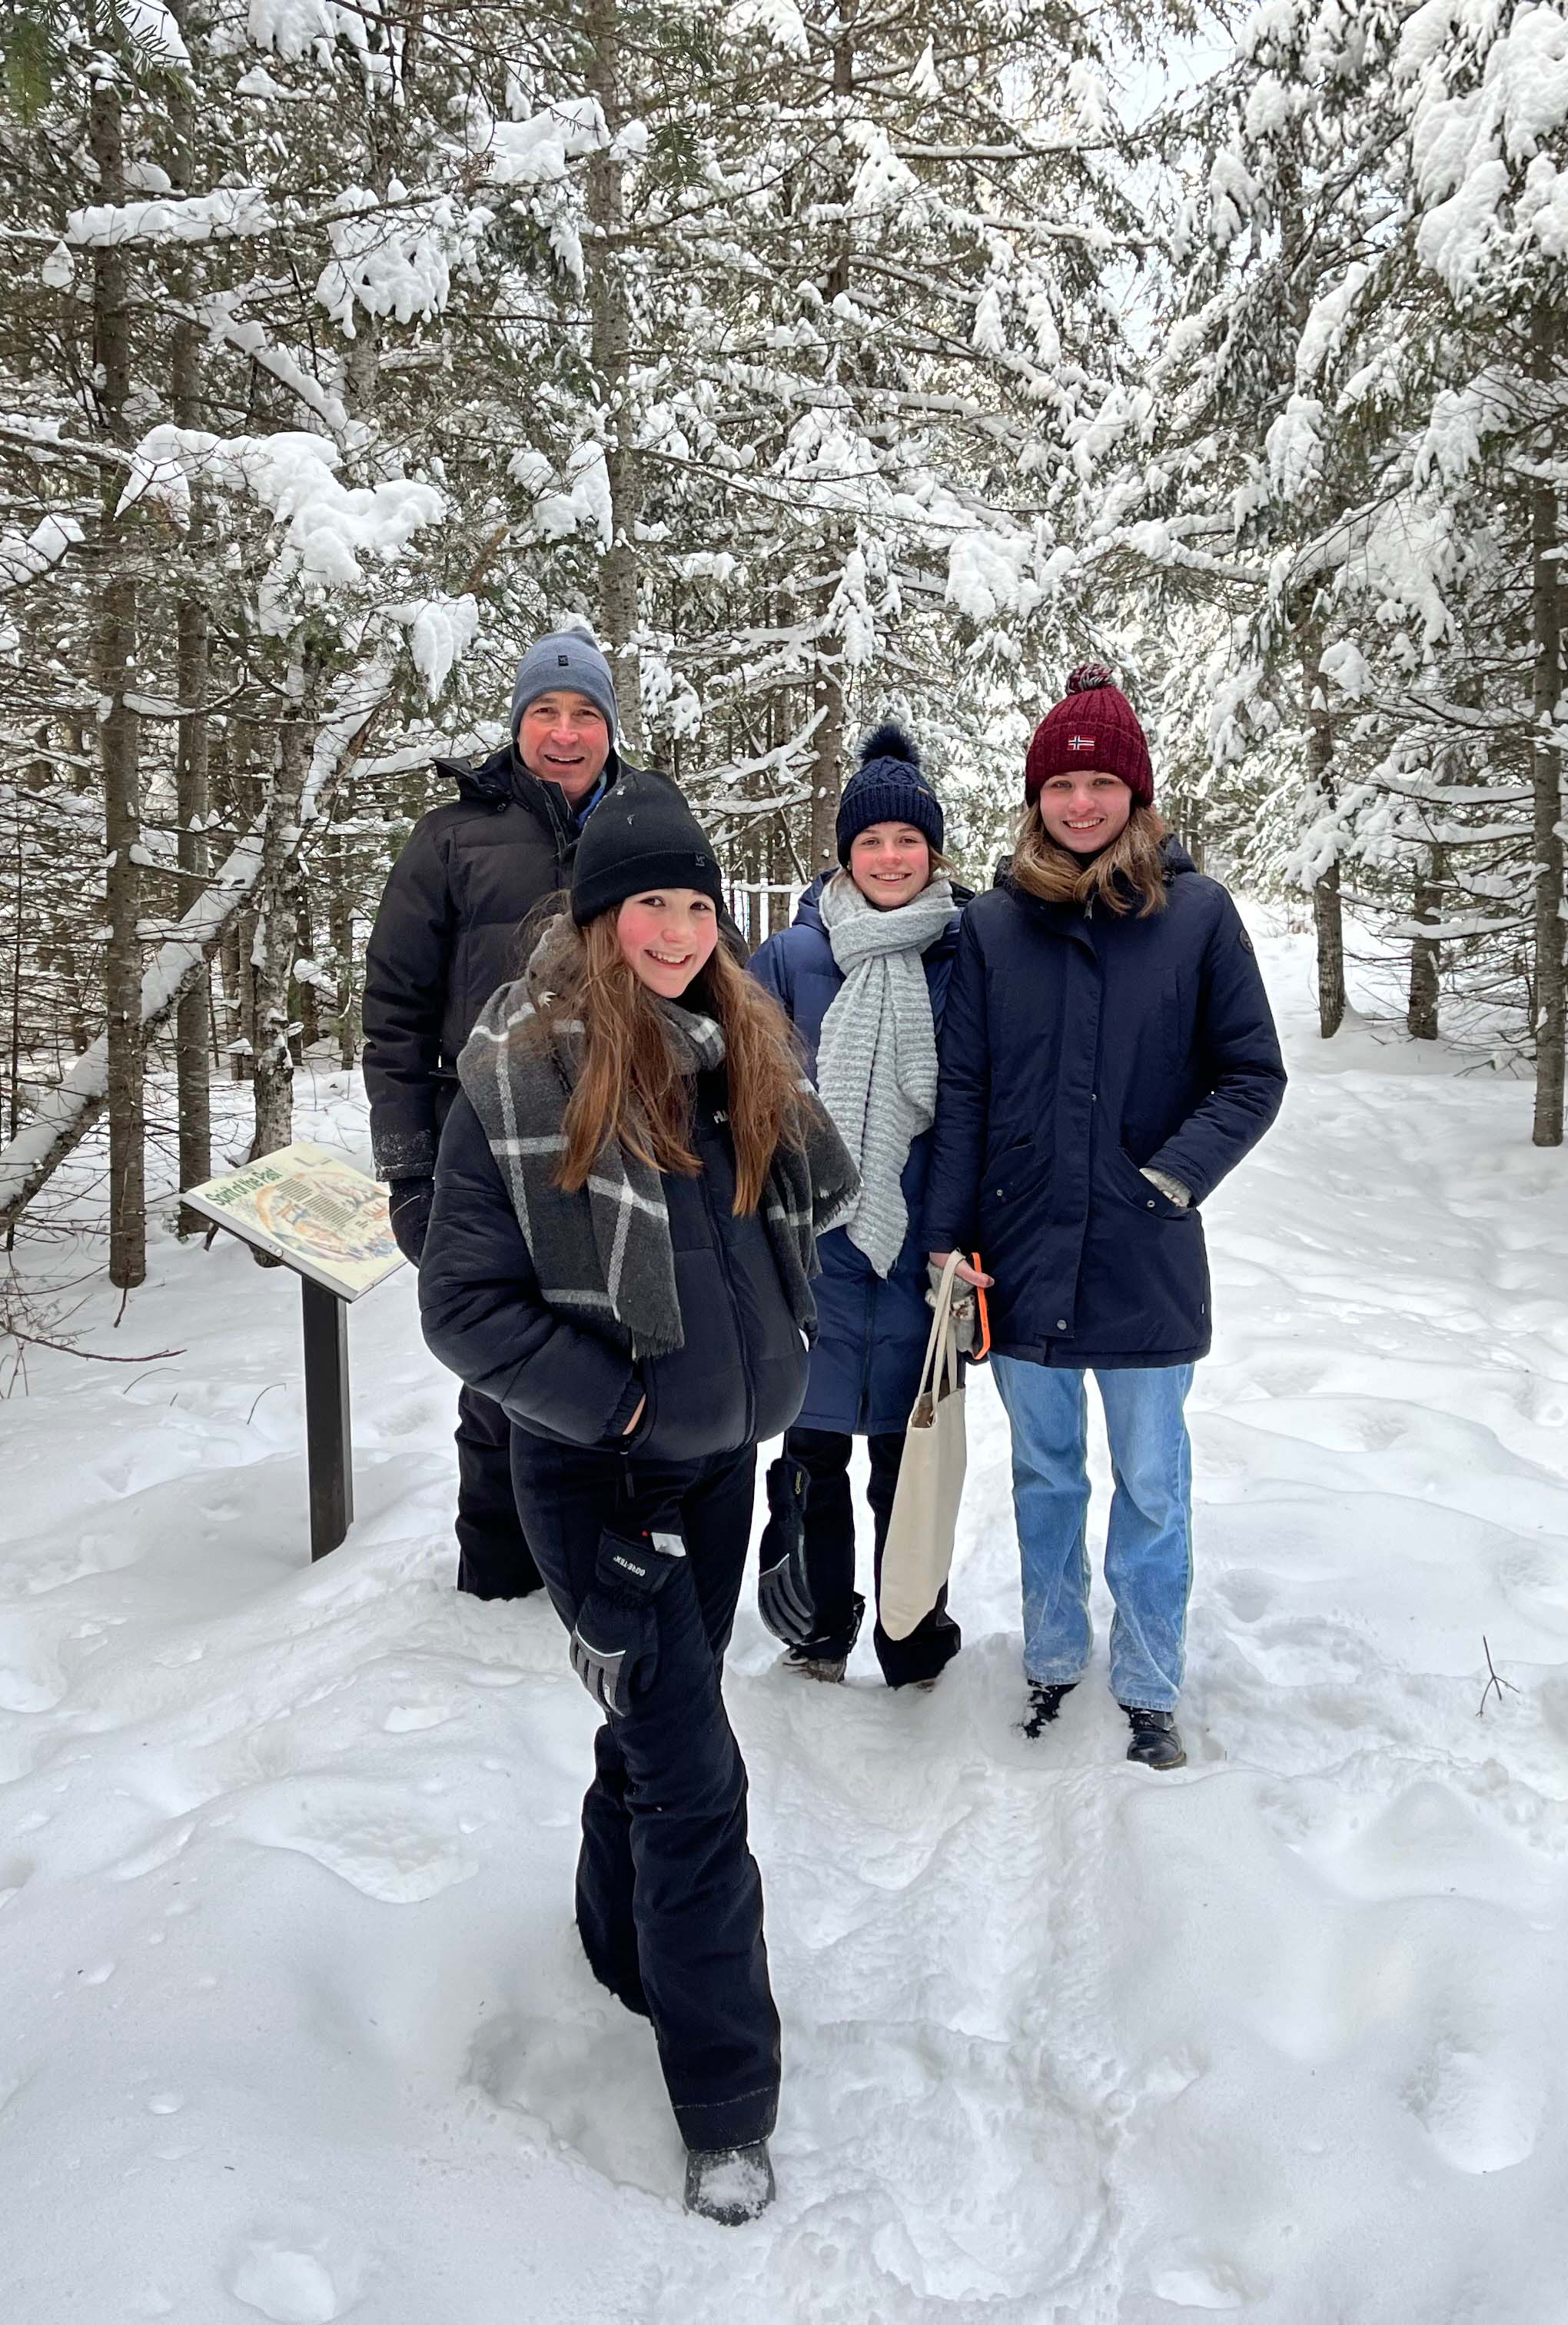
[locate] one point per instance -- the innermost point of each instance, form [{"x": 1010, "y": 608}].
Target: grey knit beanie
[{"x": 570, "y": 662}]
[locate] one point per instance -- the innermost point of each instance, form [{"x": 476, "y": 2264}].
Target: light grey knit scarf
[
  {"x": 603, "y": 1254},
  {"x": 876, "y": 1059}
]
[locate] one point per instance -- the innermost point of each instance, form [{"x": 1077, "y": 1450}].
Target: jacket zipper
[{"x": 707, "y": 1196}]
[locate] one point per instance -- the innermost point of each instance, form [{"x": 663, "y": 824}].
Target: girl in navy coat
[
  {"x": 626, "y": 1202},
  {"x": 1107, "y": 1056},
  {"x": 863, "y": 975}
]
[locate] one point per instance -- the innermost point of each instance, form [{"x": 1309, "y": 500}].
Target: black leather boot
[
  {"x": 1156, "y": 1741},
  {"x": 1044, "y": 1703}
]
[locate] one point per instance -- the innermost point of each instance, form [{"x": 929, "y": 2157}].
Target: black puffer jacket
[
  {"x": 446, "y": 935},
  {"x": 741, "y": 1375}
]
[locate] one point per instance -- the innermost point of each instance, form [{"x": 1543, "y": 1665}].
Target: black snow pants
[
  {"x": 825, "y": 1456},
  {"x": 494, "y": 1561},
  {"x": 669, "y": 1900}
]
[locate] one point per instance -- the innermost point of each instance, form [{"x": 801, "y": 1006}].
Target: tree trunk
[
  {"x": 1328, "y": 913},
  {"x": 827, "y": 696},
  {"x": 307, "y": 1004},
  {"x": 340, "y": 922},
  {"x": 1546, "y": 778},
  {"x": 779, "y": 872},
  {"x": 231, "y": 964},
  {"x": 1421, "y": 1014},
  {"x": 610, "y": 354},
  {"x": 193, "y": 1018},
  {"x": 826, "y": 756},
  {"x": 272, "y": 950},
  {"x": 118, "y": 738}
]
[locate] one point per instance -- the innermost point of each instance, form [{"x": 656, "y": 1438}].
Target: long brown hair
[
  {"x": 1130, "y": 871},
  {"x": 630, "y": 1088}
]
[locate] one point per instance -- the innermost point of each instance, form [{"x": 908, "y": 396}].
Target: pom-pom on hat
[
  {"x": 889, "y": 786},
  {"x": 641, "y": 835},
  {"x": 1093, "y": 725}
]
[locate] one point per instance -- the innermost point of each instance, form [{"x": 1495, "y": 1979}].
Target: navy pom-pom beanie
[{"x": 888, "y": 786}]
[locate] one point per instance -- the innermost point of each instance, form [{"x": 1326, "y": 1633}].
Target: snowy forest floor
[{"x": 295, "y": 2021}]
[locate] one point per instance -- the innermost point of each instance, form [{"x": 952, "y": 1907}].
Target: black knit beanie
[
  {"x": 889, "y": 786},
  {"x": 641, "y": 835}
]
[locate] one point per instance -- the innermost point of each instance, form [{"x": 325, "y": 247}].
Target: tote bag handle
[{"x": 939, "y": 1373}]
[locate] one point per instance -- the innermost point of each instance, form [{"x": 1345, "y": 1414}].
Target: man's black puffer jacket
[
  {"x": 740, "y": 1376},
  {"x": 446, "y": 936}
]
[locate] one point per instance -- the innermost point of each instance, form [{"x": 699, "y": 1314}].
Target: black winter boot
[
  {"x": 825, "y": 1656},
  {"x": 1044, "y": 1703},
  {"x": 731, "y": 2185},
  {"x": 1156, "y": 1741}
]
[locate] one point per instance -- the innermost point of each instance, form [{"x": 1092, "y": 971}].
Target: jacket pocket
[
  {"x": 1129, "y": 1185},
  {"x": 1008, "y": 1172},
  {"x": 636, "y": 1439}
]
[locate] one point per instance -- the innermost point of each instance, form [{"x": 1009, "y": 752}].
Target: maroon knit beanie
[{"x": 1094, "y": 726}]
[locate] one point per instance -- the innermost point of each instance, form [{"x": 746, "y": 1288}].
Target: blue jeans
[{"x": 1149, "y": 1548}]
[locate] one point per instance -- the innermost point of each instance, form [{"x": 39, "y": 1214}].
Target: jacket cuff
[
  {"x": 615, "y": 1428},
  {"x": 1172, "y": 1164},
  {"x": 403, "y": 1153},
  {"x": 934, "y": 1236}
]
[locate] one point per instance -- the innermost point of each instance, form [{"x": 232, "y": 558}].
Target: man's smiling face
[{"x": 562, "y": 738}]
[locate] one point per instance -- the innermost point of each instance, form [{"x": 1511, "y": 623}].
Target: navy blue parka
[
  {"x": 1076, "y": 1047},
  {"x": 872, "y": 1334}
]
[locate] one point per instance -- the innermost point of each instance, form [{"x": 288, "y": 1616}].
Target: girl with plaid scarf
[{"x": 627, "y": 1201}]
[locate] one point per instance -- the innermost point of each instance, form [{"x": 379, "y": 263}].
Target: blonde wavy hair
[{"x": 1130, "y": 871}]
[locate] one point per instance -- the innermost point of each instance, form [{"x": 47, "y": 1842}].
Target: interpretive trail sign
[{"x": 306, "y": 1206}]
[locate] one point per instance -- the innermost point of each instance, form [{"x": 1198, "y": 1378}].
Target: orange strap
[{"x": 983, "y": 1351}]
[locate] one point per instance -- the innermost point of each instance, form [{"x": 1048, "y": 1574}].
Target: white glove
[{"x": 1171, "y": 1189}]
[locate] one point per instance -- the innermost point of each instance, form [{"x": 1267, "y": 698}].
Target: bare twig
[
  {"x": 89, "y": 1355},
  {"x": 1495, "y": 1680}
]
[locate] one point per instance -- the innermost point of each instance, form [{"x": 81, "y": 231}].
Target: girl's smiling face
[
  {"x": 668, "y": 935},
  {"x": 1086, "y": 810},
  {"x": 890, "y": 863}
]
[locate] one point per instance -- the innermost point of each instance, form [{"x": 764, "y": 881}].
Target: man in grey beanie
[{"x": 446, "y": 936}]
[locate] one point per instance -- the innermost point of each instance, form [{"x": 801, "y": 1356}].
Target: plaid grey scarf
[{"x": 602, "y": 1255}]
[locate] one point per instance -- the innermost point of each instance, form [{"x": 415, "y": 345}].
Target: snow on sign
[{"x": 309, "y": 1207}]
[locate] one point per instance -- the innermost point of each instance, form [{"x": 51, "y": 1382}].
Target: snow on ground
[{"x": 295, "y": 2024}]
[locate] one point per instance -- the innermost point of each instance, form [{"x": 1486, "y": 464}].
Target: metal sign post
[
  {"x": 311, "y": 1210},
  {"x": 328, "y": 1445}
]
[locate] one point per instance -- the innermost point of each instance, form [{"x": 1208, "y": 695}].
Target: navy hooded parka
[
  {"x": 872, "y": 1334},
  {"x": 1075, "y": 1047}
]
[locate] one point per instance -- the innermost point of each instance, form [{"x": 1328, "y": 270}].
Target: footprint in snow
[
  {"x": 1479, "y": 2115},
  {"x": 1189, "y": 2278},
  {"x": 298, "y": 2273},
  {"x": 364, "y": 1833},
  {"x": 15, "y": 1872}
]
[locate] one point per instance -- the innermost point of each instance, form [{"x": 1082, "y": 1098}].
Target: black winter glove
[
  {"x": 784, "y": 1599},
  {"x": 614, "y": 1643},
  {"x": 408, "y": 1206}
]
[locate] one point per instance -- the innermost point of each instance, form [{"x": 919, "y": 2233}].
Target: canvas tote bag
[{"x": 925, "y": 1519}]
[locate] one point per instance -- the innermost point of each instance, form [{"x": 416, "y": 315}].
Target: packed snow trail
[{"x": 296, "y": 2025}]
